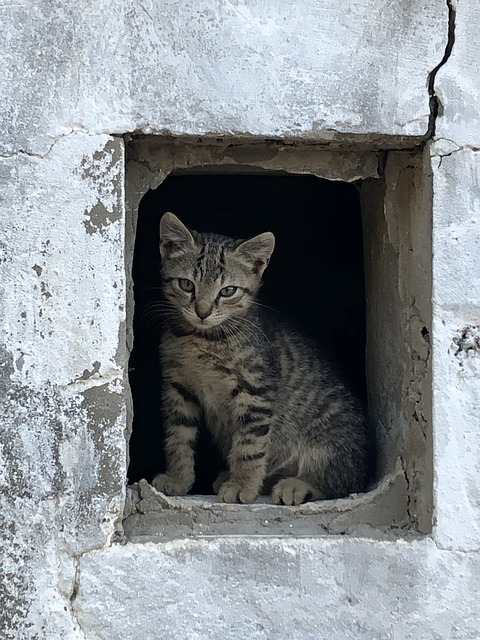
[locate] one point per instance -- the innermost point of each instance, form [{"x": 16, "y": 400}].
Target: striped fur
[{"x": 281, "y": 417}]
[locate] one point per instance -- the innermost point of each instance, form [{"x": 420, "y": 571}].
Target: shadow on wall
[{"x": 315, "y": 278}]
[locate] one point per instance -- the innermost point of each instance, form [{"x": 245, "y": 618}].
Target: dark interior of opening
[{"x": 315, "y": 278}]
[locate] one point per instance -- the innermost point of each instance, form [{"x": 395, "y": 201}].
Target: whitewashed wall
[{"x": 74, "y": 77}]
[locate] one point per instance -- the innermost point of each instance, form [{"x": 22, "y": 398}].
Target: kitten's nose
[{"x": 203, "y": 309}]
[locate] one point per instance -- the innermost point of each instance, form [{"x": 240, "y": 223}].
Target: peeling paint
[
  {"x": 97, "y": 219},
  {"x": 89, "y": 373},
  {"x": 62, "y": 475},
  {"x": 104, "y": 171},
  {"x": 352, "y": 77},
  {"x": 467, "y": 342},
  {"x": 466, "y": 350}
]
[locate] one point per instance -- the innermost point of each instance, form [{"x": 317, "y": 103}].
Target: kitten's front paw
[
  {"x": 233, "y": 492},
  {"x": 171, "y": 486}
]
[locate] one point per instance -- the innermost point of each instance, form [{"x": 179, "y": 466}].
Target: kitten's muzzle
[{"x": 203, "y": 309}]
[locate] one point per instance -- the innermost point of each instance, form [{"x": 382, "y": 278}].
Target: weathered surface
[
  {"x": 397, "y": 250},
  {"x": 62, "y": 447},
  {"x": 277, "y": 588},
  {"x": 456, "y": 83},
  {"x": 456, "y": 290},
  {"x": 224, "y": 68},
  {"x": 152, "y": 516},
  {"x": 456, "y": 349},
  {"x": 74, "y": 74}
]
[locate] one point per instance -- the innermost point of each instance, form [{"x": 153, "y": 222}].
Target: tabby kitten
[{"x": 281, "y": 417}]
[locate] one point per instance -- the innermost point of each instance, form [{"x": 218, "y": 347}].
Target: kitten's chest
[{"x": 205, "y": 369}]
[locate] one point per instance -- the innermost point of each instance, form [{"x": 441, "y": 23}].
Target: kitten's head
[{"x": 210, "y": 278}]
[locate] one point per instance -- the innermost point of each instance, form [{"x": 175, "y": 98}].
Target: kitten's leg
[
  {"x": 181, "y": 417},
  {"x": 247, "y": 457},
  {"x": 222, "y": 477}
]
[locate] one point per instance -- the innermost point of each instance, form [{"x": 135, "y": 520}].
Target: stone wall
[{"x": 76, "y": 79}]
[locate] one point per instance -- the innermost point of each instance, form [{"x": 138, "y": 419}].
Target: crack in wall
[
  {"x": 56, "y": 139},
  {"x": 32, "y": 154},
  {"x": 445, "y": 148},
  {"x": 434, "y": 101},
  {"x": 116, "y": 537},
  {"x": 412, "y": 519},
  {"x": 73, "y": 596}
]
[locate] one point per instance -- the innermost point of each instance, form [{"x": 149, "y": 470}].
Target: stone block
[
  {"x": 456, "y": 228},
  {"x": 456, "y": 83},
  {"x": 63, "y": 356},
  {"x": 456, "y": 410},
  {"x": 276, "y": 588},
  {"x": 193, "y": 68}
]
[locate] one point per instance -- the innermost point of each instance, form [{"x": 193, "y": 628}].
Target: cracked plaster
[
  {"x": 230, "y": 68},
  {"x": 456, "y": 83},
  {"x": 62, "y": 447},
  {"x": 70, "y": 77},
  {"x": 322, "y": 588}
]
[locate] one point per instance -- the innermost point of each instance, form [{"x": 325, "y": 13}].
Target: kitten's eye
[
  {"x": 227, "y": 292},
  {"x": 186, "y": 285}
]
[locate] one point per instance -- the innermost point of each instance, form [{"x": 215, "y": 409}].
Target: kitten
[{"x": 279, "y": 414}]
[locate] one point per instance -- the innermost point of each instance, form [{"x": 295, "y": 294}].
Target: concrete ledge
[{"x": 152, "y": 516}]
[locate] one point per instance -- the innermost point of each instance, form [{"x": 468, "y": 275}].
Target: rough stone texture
[
  {"x": 224, "y": 68},
  {"x": 456, "y": 291},
  {"x": 74, "y": 75},
  {"x": 277, "y": 588},
  {"x": 62, "y": 447},
  {"x": 456, "y": 349},
  {"x": 397, "y": 249},
  {"x": 152, "y": 516},
  {"x": 456, "y": 83}
]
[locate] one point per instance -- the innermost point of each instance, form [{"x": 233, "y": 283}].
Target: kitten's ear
[
  {"x": 257, "y": 251},
  {"x": 175, "y": 238}
]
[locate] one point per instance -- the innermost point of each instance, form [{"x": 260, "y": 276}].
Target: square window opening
[{"x": 332, "y": 275}]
